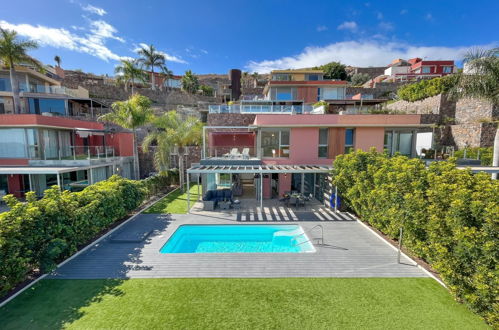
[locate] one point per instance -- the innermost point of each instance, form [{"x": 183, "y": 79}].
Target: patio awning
[
  {"x": 203, "y": 169},
  {"x": 38, "y": 170}
]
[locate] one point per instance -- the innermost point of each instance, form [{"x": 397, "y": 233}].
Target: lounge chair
[
  {"x": 246, "y": 154},
  {"x": 232, "y": 152}
]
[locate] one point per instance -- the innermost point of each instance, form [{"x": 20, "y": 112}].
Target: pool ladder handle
[{"x": 319, "y": 239}]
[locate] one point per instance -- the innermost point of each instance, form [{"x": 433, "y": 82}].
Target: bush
[
  {"x": 358, "y": 79},
  {"x": 37, "y": 234},
  {"x": 449, "y": 218},
  {"x": 426, "y": 88}
]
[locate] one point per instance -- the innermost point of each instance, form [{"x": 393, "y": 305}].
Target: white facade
[{"x": 394, "y": 70}]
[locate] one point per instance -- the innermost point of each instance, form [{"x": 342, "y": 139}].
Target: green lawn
[
  {"x": 175, "y": 202},
  {"x": 291, "y": 303}
]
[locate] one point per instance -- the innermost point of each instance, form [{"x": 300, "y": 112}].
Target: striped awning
[{"x": 202, "y": 169}]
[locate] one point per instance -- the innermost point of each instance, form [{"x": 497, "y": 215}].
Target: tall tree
[
  {"x": 190, "y": 82},
  {"x": 166, "y": 74},
  {"x": 57, "y": 60},
  {"x": 334, "y": 70},
  {"x": 150, "y": 57},
  {"x": 481, "y": 80},
  {"x": 129, "y": 72},
  {"x": 173, "y": 132},
  {"x": 12, "y": 52},
  {"x": 131, "y": 114}
]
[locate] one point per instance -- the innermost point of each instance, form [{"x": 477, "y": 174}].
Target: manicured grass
[
  {"x": 175, "y": 202},
  {"x": 291, "y": 303}
]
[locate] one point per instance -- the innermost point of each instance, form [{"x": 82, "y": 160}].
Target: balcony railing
[
  {"x": 71, "y": 153},
  {"x": 43, "y": 89},
  {"x": 231, "y": 152},
  {"x": 269, "y": 109}
]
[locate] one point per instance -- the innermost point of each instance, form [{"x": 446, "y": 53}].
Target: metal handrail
[{"x": 305, "y": 231}]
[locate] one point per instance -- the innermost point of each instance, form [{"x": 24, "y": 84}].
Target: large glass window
[
  {"x": 323, "y": 142},
  {"x": 349, "y": 139},
  {"x": 426, "y": 69},
  {"x": 329, "y": 93},
  {"x": 447, "y": 69},
  {"x": 313, "y": 77},
  {"x": 39, "y": 106},
  {"x": 283, "y": 93},
  {"x": 399, "y": 142},
  {"x": 281, "y": 77},
  {"x": 12, "y": 143},
  {"x": 5, "y": 84},
  {"x": 275, "y": 143}
]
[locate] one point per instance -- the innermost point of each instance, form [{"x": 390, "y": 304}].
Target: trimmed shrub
[
  {"x": 426, "y": 88},
  {"x": 485, "y": 154},
  {"x": 450, "y": 218},
  {"x": 37, "y": 234}
]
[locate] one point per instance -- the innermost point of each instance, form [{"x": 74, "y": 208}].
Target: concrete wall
[
  {"x": 367, "y": 137},
  {"x": 230, "y": 119}
]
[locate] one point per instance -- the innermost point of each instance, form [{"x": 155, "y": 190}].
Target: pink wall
[
  {"x": 284, "y": 183},
  {"x": 304, "y": 149},
  {"x": 368, "y": 137}
]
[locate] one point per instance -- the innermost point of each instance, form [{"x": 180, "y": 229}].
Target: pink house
[{"x": 280, "y": 153}]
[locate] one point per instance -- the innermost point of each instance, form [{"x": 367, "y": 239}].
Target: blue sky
[{"x": 258, "y": 35}]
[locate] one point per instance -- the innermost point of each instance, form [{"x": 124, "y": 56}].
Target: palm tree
[
  {"x": 57, "y": 60},
  {"x": 12, "y": 52},
  {"x": 481, "y": 81},
  {"x": 131, "y": 114},
  {"x": 151, "y": 58},
  {"x": 129, "y": 71},
  {"x": 166, "y": 74},
  {"x": 173, "y": 133},
  {"x": 190, "y": 82}
]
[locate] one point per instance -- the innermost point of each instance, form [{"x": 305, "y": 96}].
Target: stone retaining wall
[{"x": 230, "y": 119}]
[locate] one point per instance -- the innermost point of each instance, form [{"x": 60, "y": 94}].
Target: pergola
[{"x": 253, "y": 169}]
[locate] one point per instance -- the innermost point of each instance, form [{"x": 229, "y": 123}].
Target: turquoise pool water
[{"x": 238, "y": 239}]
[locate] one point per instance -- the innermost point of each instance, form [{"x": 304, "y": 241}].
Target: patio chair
[
  {"x": 292, "y": 201},
  {"x": 246, "y": 154},
  {"x": 300, "y": 201},
  {"x": 232, "y": 152}
]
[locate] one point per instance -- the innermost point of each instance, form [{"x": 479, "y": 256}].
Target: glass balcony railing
[
  {"x": 42, "y": 89},
  {"x": 71, "y": 153},
  {"x": 231, "y": 152},
  {"x": 269, "y": 109}
]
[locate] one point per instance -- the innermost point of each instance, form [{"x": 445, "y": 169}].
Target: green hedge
[
  {"x": 450, "y": 218},
  {"x": 426, "y": 88},
  {"x": 37, "y": 234}
]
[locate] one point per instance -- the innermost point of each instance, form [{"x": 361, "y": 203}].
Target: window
[
  {"x": 40, "y": 106},
  {"x": 281, "y": 77},
  {"x": 399, "y": 142},
  {"x": 323, "y": 142},
  {"x": 224, "y": 180},
  {"x": 5, "y": 84},
  {"x": 426, "y": 69},
  {"x": 447, "y": 69},
  {"x": 349, "y": 139},
  {"x": 12, "y": 143},
  {"x": 312, "y": 77},
  {"x": 2, "y": 105},
  {"x": 275, "y": 143},
  {"x": 329, "y": 94},
  {"x": 4, "y": 186},
  {"x": 283, "y": 93}
]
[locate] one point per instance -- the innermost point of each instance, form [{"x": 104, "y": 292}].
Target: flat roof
[
  {"x": 39, "y": 169},
  {"x": 262, "y": 169}
]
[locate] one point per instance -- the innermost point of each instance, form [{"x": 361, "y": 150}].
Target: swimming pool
[{"x": 238, "y": 239}]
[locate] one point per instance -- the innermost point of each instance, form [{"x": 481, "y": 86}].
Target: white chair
[
  {"x": 246, "y": 154},
  {"x": 234, "y": 153},
  {"x": 231, "y": 153}
]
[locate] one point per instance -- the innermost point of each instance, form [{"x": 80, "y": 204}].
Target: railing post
[
  {"x": 74, "y": 152},
  {"x": 88, "y": 152}
]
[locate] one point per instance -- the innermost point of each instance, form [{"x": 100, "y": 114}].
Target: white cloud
[
  {"x": 352, "y": 26},
  {"x": 94, "y": 10},
  {"x": 387, "y": 26},
  {"x": 403, "y": 11},
  {"x": 358, "y": 53},
  {"x": 321, "y": 28},
  {"x": 92, "y": 43},
  {"x": 168, "y": 57}
]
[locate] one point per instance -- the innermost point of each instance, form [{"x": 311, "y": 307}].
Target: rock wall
[
  {"x": 230, "y": 119},
  {"x": 474, "y": 110},
  {"x": 437, "y": 105}
]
